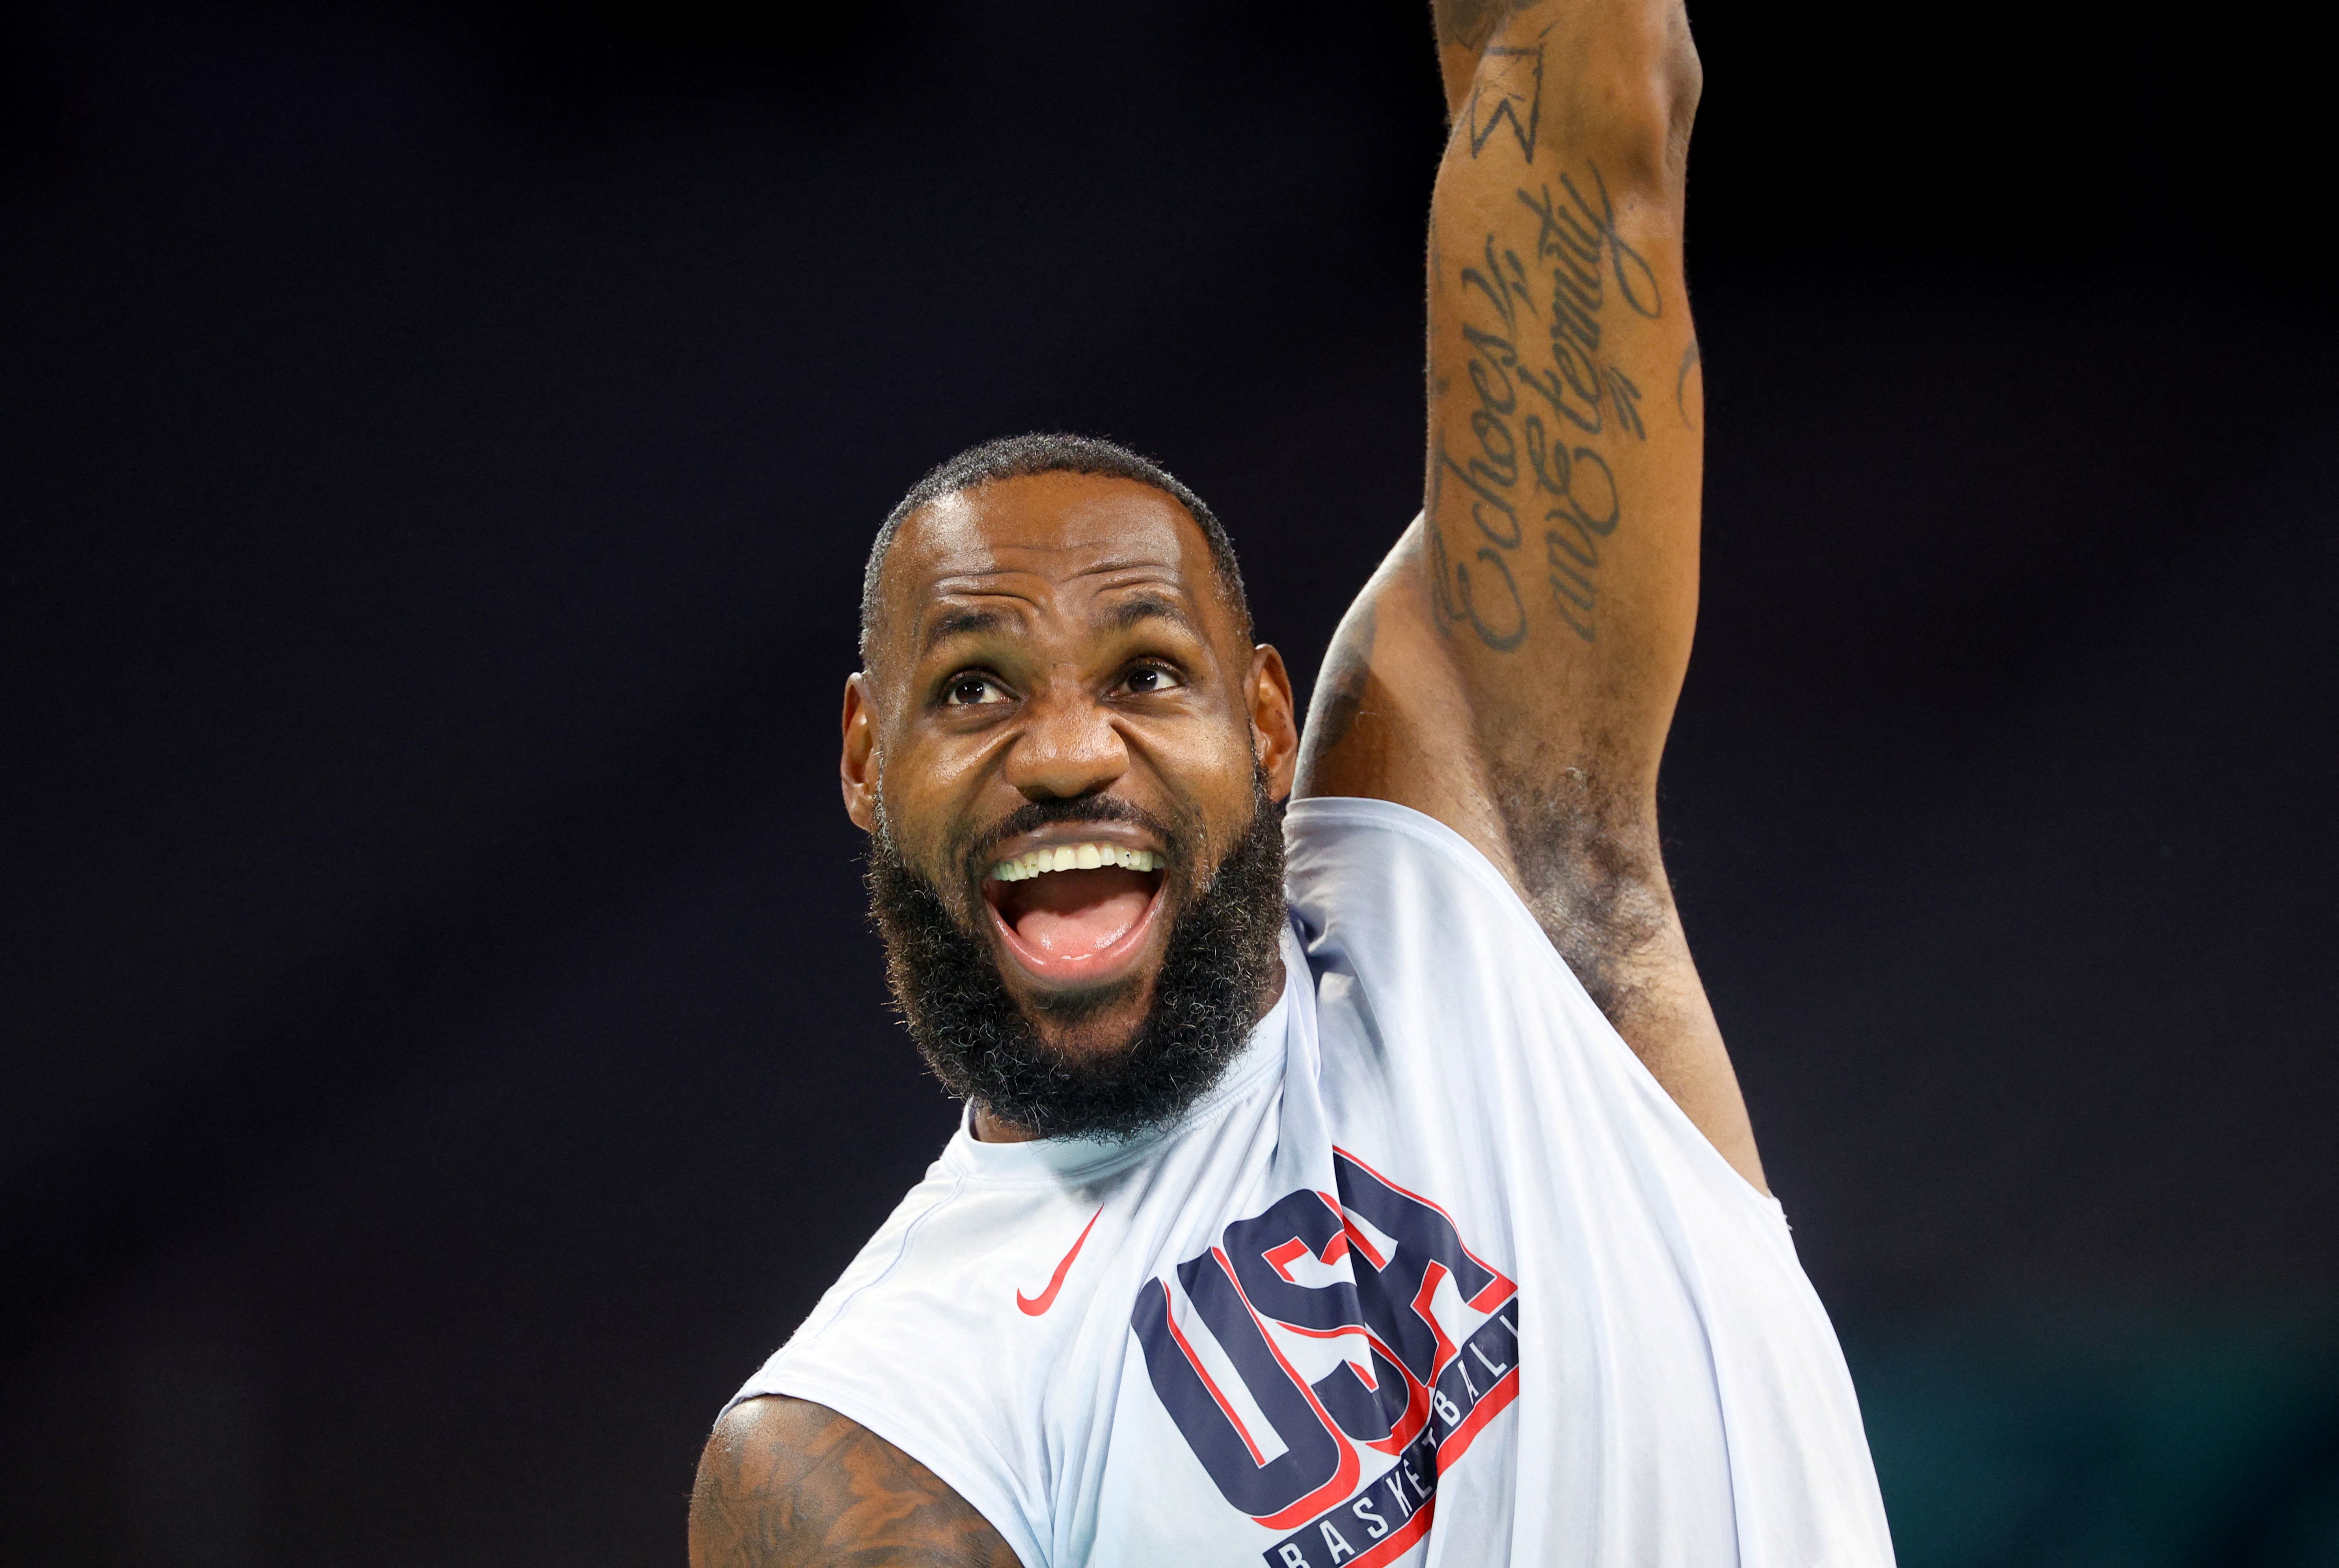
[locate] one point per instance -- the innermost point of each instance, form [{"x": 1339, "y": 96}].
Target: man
[{"x": 1363, "y": 1183}]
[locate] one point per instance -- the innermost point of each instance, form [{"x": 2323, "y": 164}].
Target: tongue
[{"x": 1072, "y": 912}]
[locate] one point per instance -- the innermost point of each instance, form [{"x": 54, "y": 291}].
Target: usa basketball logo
[{"x": 1330, "y": 1359}]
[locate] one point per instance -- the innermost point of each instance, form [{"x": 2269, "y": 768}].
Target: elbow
[
  {"x": 1668, "y": 79},
  {"x": 1681, "y": 80},
  {"x": 1629, "y": 78},
  {"x": 1638, "y": 102}
]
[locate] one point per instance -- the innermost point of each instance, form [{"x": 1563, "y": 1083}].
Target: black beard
[{"x": 1217, "y": 966}]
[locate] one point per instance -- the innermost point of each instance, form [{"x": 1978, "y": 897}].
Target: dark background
[{"x": 443, "y": 1053}]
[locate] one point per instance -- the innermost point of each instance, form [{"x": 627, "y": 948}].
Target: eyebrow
[
  {"x": 972, "y": 622},
  {"x": 964, "y": 623}
]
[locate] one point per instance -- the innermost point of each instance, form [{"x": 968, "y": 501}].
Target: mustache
[{"x": 1033, "y": 815}]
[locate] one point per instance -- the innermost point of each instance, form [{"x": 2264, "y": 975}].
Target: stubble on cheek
[{"x": 934, "y": 859}]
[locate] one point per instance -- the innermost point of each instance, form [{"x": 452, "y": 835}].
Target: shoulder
[
  {"x": 1360, "y": 861},
  {"x": 789, "y": 1481}
]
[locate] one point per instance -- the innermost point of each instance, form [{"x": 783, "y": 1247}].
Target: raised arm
[
  {"x": 788, "y": 1483},
  {"x": 1512, "y": 668}
]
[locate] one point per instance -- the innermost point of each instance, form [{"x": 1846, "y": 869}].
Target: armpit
[
  {"x": 1590, "y": 870},
  {"x": 788, "y": 1483}
]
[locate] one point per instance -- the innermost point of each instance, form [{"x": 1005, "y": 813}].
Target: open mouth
[{"x": 1075, "y": 915}]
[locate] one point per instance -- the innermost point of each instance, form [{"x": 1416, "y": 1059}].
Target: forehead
[{"x": 1042, "y": 536}]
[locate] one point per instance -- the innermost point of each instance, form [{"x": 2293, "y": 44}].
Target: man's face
[{"x": 1056, "y": 674}]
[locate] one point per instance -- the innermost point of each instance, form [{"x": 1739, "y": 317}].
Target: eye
[
  {"x": 1146, "y": 680},
  {"x": 971, "y": 690}
]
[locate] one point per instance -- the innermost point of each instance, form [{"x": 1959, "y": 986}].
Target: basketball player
[{"x": 1362, "y": 1182}]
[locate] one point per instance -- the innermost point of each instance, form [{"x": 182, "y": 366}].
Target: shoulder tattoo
[{"x": 788, "y": 1483}]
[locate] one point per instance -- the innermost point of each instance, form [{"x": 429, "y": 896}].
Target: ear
[
  {"x": 1274, "y": 731},
  {"x": 857, "y": 768}
]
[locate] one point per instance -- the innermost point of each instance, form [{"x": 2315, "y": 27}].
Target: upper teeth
[{"x": 1073, "y": 857}]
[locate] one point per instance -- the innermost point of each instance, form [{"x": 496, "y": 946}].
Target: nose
[{"x": 1067, "y": 748}]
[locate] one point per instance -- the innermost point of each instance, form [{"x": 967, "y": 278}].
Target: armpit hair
[{"x": 1589, "y": 864}]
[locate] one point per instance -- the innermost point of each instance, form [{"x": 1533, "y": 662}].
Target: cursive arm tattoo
[{"x": 1513, "y": 667}]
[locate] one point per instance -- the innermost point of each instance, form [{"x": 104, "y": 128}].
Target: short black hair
[{"x": 1049, "y": 453}]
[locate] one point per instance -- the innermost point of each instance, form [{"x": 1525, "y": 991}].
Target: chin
[
  {"x": 1089, "y": 1024},
  {"x": 1089, "y": 1000}
]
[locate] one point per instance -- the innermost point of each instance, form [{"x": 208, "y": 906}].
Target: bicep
[
  {"x": 1555, "y": 565},
  {"x": 1519, "y": 654},
  {"x": 1563, "y": 464},
  {"x": 1532, "y": 629},
  {"x": 1512, "y": 669},
  {"x": 786, "y": 1482},
  {"x": 1393, "y": 719}
]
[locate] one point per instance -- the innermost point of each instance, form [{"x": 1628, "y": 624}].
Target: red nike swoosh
[{"x": 1034, "y": 1306}]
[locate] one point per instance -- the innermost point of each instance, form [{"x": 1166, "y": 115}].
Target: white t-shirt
[{"x": 1437, "y": 1274}]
